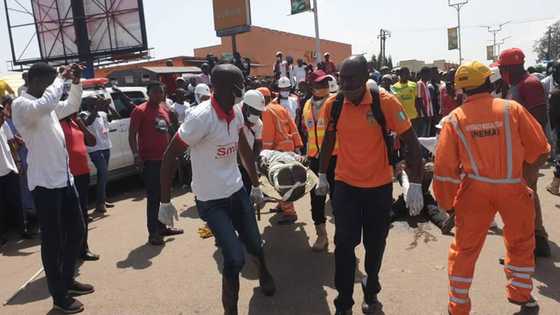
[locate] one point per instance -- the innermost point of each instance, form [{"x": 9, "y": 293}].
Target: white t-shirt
[
  {"x": 291, "y": 104},
  {"x": 299, "y": 73},
  {"x": 100, "y": 128},
  {"x": 180, "y": 110},
  {"x": 7, "y": 163},
  {"x": 214, "y": 144}
]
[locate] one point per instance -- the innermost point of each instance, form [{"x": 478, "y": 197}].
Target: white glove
[
  {"x": 322, "y": 188},
  {"x": 256, "y": 195},
  {"x": 167, "y": 213},
  {"x": 414, "y": 199}
]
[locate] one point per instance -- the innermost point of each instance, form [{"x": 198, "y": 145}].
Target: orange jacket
[
  {"x": 279, "y": 132},
  {"x": 486, "y": 140}
]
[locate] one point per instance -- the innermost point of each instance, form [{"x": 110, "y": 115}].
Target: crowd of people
[{"x": 479, "y": 133}]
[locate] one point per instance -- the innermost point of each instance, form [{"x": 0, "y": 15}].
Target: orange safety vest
[
  {"x": 316, "y": 128},
  {"x": 280, "y": 132}
]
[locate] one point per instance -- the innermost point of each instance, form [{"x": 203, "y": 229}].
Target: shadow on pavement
[
  {"x": 549, "y": 274},
  {"x": 35, "y": 291},
  {"x": 13, "y": 249},
  {"x": 140, "y": 257},
  {"x": 190, "y": 212}
]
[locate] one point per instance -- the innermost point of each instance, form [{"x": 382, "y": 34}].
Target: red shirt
[
  {"x": 76, "y": 147},
  {"x": 448, "y": 102},
  {"x": 529, "y": 92},
  {"x": 153, "y": 130}
]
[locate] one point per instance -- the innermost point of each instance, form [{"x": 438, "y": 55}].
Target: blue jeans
[
  {"x": 227, "y": 216},
  {"x": 101, "y": 161}
]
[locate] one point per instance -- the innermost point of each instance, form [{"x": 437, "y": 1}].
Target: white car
[{"x": 121, "y": 162}]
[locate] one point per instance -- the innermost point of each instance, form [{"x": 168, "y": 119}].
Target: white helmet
[
  {"x": 201, "y": 90},
  {"x": 254, "y": 99},
  {"x": 284, "y": 82},
  {"x": 333, "y": 85}
]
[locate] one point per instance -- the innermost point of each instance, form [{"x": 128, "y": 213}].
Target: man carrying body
[
  {"x": 36, "y": 116},
  {"x": 488, "y": 149},
  {"x": 214, "y": 132},
  {"x": 528, "y": 91},
  {"x": 363, "y": 192},
  {"x": 315, "y": 124}
]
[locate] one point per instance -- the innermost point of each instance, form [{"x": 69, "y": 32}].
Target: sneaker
[
  {"x": 69, "y": 306},
  {"x": 542, "y": 248},
  {"x": 109, "y": 205},
  {"x": 448, "y": 225},
  {"x": 171, "y": 232},
  {"x": 77, "y": 289},
  {"x": 156, "y": 240},
  {"x": 89, "y": 256},
  {"x": 373, "y": 306}
]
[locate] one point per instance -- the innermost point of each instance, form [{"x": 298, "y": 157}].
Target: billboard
[
  {"x": 300, "y": 6},
  {"x": 113, "y": 27},
  {"x": 490, "y": 52},
  {"x": 452, "y": 38},
  {"x": 231, "y": 17}
]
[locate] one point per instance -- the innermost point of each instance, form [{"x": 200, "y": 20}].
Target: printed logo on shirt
[
  {"x": 309, "y": 124},
  {"x": 161, "y": 124},
  {"x": 226, "y": 150},
  {"x": 321, "y": 123},
  {"x": 485, "y": 130}
]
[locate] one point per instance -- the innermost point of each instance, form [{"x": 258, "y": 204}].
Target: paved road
[{"x": 184, "y": 276}]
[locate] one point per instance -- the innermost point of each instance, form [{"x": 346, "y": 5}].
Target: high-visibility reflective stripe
[
  {"x": 509, "y": 145},
  {"x": 521, "y": 275},
  {"x": 460, "y": 279},
  {"x": 455, "y": 124},
  {"x": 520, "y": 269},
  {"x": 447, "y": 179},
  {"x": 521, "y": 285},
  {"x": 459, "y": 290},
  {"x": 495, "y": 181},
  {"x": 457, "y": 300}
]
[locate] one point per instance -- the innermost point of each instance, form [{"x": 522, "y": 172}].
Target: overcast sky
[{"x": 419, "y": 28}]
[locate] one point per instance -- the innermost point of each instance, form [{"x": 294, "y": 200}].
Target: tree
[
  {"x": 548, "y": 47},
  {"x": 390, "y": 62}
]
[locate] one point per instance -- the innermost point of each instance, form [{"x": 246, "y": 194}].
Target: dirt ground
[{"x": 183, "y": 277}]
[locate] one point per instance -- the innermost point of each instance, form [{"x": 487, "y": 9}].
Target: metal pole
[
  {"x": 494, "y": 50},
  {"x": 317, "y": 38},
  {"x": 233, "y": 43},
  {"x": 82, "y": 37},
  {"x": 459, "y": 34}
]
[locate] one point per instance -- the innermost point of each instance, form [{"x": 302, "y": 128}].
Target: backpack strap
[
  {"x": 335, "y": 111},
  {"x": 376, "y": 109}
]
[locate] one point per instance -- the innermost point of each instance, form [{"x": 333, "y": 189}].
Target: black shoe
[
  {"x": 156, "y": 240},
  {"x": 171, "y": 232},
  {"x": 69, "y": 306},
  {"x": 287, "y": 220},
  {"x": 28, "y": 235},
  {"x": 347, "y": 312},
  {"x": 371, "y": 306},
  {"x": 89, "y": 256},
  {"x": 530, "y": 304},
  {"x": 542, "y": 248},
  {"x": 77, "y": 289},
  {"x": 448, "y": 225}
]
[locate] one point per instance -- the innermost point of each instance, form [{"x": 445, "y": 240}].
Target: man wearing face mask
[
  {"x": 363, "y": 193},
  {"x": 314, "y": 121},
  {"x": 252, "y": 109},
  {"x": 528, "y": 91},
  {"x": 284, "y": 97}
]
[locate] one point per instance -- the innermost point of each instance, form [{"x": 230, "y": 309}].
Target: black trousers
[
  {"x": 82, "y": 186},
  {"x": 357, "y": 211},
  {"x": 10, "y": 203},
  {"x": 318, "y": 202},
  {"x": 151, "y": 174},
  {"x": 62, "y": 232}
]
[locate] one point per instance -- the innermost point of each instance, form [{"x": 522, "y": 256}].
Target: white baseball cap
[
  {"x": 254, "y": 99},
  {"x": 284, "y": 82},
  {"x": 495, "y": 75},
  {"x": 201, "y": 90}
]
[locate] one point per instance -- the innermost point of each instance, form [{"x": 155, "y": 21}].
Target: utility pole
[
  {"x": 495, "y": 31},
  {"x": 82, "y": 37},
  {"x": 317, "y": 38},
  {"x": 383, "y": 35},
  {"x": 548, "y": 51},
  {"x": 458, "y": 5},
  {"x": 500, "y": 44}
]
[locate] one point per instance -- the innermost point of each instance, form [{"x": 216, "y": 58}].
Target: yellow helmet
[{"x": 471, "y": 75}]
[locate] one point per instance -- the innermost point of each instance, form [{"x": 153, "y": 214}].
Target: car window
[
  {"x": 123, "y": 105},
  {"x": 137, "y": 97}
]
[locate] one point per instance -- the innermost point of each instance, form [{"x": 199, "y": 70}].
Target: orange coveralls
[
  {"x": 280, "y": 133},
  {"x": 488, "y": 140}
]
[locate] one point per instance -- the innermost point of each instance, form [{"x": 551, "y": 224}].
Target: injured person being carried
[{"x": 287, "y": 176}]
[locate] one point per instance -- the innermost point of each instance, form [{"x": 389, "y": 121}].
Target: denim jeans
[
  {"x": 62, "y": 231},
  {"x": 101, "y": 161},
  {"x": 227, "y": 216},
  {"x": 357, "y": 211},
  {"x": 151, "y": 172}
]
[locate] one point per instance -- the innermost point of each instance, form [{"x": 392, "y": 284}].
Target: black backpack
[{"x": 388, "y": 137}]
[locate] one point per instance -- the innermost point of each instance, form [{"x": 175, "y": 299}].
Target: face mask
[
  {"x": 253, "y": 119},
  {"x": 353, "y": 94},
  {"x": 284, "y": 94},
  {"x": 321, "y": 93}
]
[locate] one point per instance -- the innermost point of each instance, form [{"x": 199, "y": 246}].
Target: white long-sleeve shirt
[{"x": 37, "y": 120}]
